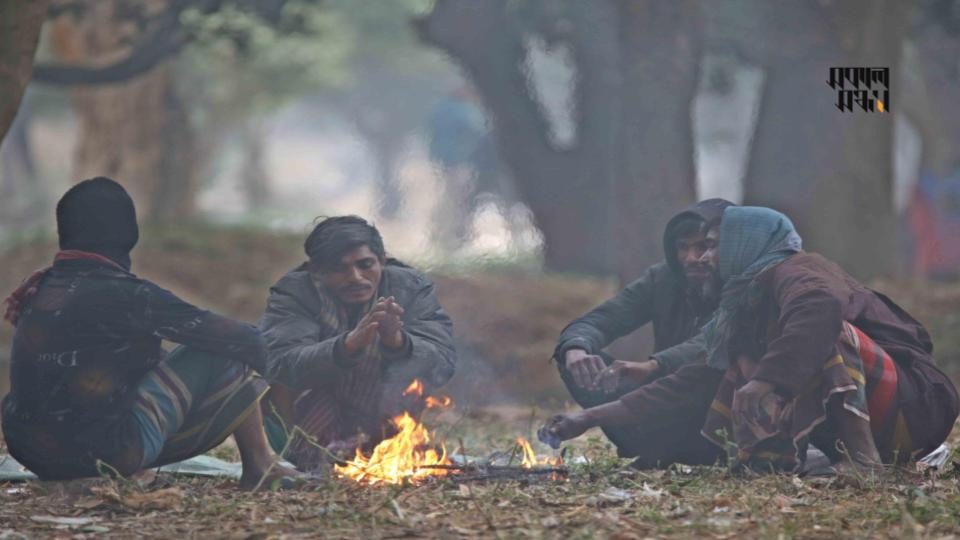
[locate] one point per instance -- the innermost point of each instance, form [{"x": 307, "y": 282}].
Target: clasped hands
[{"x": 384, "y": 319}]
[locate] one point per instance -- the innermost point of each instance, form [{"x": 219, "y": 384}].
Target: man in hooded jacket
[
  {"x": 670, "y": 391},
  {"x": 92, "y": 391}
]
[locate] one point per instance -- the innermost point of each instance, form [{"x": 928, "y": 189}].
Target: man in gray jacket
[
  {"x": 347, "y": 332},
  {"x": 669, "y": 391}
]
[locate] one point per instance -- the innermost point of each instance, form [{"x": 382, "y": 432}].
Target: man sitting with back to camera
[
  {"x": 92, "y": 391},
  {"x": 348, "y": 331}
]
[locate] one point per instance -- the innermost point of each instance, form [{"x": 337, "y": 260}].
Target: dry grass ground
[{"x": 602, "y": 499}]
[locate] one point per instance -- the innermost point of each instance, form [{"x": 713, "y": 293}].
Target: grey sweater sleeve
[
  {"x": 299, "y": 349},
  {"x": 430, "y": 352},
  {"x": 630, "y": 309}
]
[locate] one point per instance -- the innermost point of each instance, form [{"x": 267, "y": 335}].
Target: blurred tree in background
[
  {"x": 391, "y": 83},
  {"x": 161, "y": 87},
  {"x": 931, "y": 84},
  {"x": 623, "y": 174},
  {"x": 241, "y": 69},
  {"x": 20, "y": 23},
  {"x": 831, "y": 172}
]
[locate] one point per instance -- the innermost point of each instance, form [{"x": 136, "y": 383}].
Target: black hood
[
  {"x": 97, "y": 215},
  {"x": 705, "y": 210}
]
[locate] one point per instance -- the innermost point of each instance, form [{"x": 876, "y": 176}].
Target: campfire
[
  {"x": 408, "y": 455},
  {"x": 412, "y": 455}
]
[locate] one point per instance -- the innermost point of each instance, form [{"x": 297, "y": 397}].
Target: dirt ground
[{"x": 602, "y": 498}]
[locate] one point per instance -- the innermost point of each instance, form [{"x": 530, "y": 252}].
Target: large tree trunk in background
[
  {"x": 568, "y": 191},
  {"x": 929, "y": 99},
  {"x": 20, "y": 23},
  {"x": 830, "y": 171},
  {"x": 661, "y": 58},
  {"x": 632, "y": 165},
  {"x": 660, "y": 43},
  {"x": 138, "y": 131}
]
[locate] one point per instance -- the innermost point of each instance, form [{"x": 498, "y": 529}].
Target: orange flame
[
  {"x": 401, "y": 457},
  {"x": 408, "y": 455},
  {"x": 530, "y": 459},
  {"x": 441, "y": 402},
  {"x": 415, "y": 388}
]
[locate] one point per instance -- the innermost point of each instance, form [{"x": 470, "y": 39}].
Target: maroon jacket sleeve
[{"x": 812, "y": 307}]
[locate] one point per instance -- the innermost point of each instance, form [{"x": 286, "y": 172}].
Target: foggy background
[{"x": 527, "y": 154}]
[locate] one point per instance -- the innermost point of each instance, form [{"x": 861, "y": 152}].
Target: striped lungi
[
  {"x": 191, "y": 403},
  {"x": 344, "y": 406},
  {"x": 185, "y": 406}
]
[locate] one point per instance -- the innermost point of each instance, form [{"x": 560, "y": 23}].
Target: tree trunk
[
  {"x": 138, "y": 131},
  {"x": 568, "y": 191},
  {"x": 661, "y": 44},
  {"x": 929, "y": 98},
  {"x": 20, "y": 23},
  {"x": 830, "y": 171}
]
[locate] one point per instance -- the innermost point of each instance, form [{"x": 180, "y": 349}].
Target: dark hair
[
  {"x": 687, "y": 226},
  {"x": 334, "y": 236},
  {"x": 97, "y": 215}
]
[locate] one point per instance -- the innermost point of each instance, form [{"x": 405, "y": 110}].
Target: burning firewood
[{"x": 412, "y": 456}]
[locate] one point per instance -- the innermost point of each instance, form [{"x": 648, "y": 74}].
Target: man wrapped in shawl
[
  {"x": 348, "y": 331},
  {"x": 91, "y": 389},
  {"x": 813, "y": 356}
]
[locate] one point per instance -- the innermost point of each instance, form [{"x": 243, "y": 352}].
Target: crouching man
[
  {"x": 347, "y": 332},
  {"x": 812, "y": 355},
  {"x": 92, "y": 391}
]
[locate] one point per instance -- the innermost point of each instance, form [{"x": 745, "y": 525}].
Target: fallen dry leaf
[{"x": 161, "y": 499}]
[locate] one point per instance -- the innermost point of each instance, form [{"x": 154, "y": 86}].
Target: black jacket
[{"x": 660, "y": 296}]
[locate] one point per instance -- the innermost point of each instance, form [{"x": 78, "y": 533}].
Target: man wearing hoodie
[{"x": 671, "y": 388}]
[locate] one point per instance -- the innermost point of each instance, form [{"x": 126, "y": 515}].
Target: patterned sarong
[
  {"x": 859, "y": 372},
  {"x": 185, "y": 406},
  {"x": 191, "y": 403}
]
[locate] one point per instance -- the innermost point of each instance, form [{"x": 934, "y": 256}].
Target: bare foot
[{"x": 281, "y": 476}]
